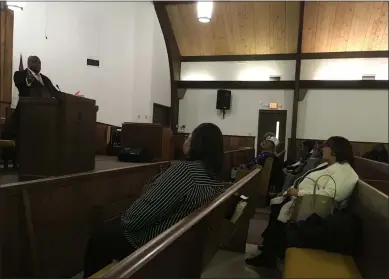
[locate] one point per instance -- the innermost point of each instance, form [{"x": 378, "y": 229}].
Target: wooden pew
[
  {"x": 235, "y": 158},
  {"x": 372, "y": 255},
  {"x": 374, "y": 173},
  {"x": 45, "y": 223},
  {"x": 187, "y": 247},
  {"x": 368, "y": 169},
  {"x": 262, "y": 182},
  {"x": 380, "y": 185}
]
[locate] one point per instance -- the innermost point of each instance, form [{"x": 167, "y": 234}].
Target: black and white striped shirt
[{"x": 169, "y": 197}]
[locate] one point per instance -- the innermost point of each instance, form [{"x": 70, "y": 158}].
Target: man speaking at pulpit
[{"x": 31, "y": 83}]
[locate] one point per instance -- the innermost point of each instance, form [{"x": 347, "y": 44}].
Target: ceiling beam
[
  {"x": 287, "y": 56},
  {"x": 252, "y": 57},
  {"x": 345, "y": 84},
  {"x": 174, "y": 58},
  {"x": 296, "y": 94},
  {"x": 346, "y": 54},
  {"x": 286, "y": 84},
  {"x": 283, "y": 84}
]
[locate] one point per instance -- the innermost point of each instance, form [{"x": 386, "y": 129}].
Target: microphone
[{"x": 58, "y": 87}]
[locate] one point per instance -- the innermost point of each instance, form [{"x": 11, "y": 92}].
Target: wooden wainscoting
[
  {"x": 231, "y": 142},
  {"x": 103, "y": 136},
  {"x": 359, "y": 147}
]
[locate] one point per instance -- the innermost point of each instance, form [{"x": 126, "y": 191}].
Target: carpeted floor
[{"x": 257, "y": 226}]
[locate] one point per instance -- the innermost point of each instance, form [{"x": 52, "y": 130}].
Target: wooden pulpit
[{"x": 56, "y": 136}]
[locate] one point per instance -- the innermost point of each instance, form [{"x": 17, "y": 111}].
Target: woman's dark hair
[
  {"x": 206, "y": 144},
  {"x": 342, "y": 150}
]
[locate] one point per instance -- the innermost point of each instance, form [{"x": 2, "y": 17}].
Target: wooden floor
[{"x": 102, "y": 163}]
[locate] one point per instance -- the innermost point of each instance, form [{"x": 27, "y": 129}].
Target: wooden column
[
  {"x": 6, "y": 54},
  {"x": 292, "y": 146},
  {"x": 174, "y": 57}
]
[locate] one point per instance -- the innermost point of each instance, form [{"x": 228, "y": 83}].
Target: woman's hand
[{"x": 292, "y": 192}]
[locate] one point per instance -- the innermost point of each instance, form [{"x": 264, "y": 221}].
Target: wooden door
[{"x": 273, "y": 121}]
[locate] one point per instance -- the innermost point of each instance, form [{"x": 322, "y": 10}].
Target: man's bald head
[{"x": 34, "y": 64}]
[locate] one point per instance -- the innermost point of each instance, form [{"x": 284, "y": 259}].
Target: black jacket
[
  {"x": 33, "y": 89},
  {"x": 338, "y": 233}
]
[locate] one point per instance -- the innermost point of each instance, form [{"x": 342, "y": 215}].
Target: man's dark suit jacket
[
  {"x": 36, "y": 89},
  {"x": 32, "y": 90}
]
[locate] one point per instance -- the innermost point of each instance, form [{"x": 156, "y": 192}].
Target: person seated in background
[
  {"x": 168, "y": 198},
  {"x": 306, "y": 152},
  {"x": 269, "y": 150},
  {"x": 334, "y": 178},
  {"x": 313, "y": 161},
  {"x": 378, "y": 153}
]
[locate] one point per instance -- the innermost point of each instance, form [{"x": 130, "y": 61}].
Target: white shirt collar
[{"x": 36, "y": 75}]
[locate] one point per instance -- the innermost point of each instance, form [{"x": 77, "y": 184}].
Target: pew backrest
[
  {"x": 371, "y": 206},
  {"x": 235, "y": 158},
  {"x": 45, "y": 224},
  {"x": 369, "y": 169},
  {"x": 184, "y": 249}
]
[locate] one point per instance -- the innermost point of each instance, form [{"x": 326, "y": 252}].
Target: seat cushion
[{"x": 309, "y": 263}]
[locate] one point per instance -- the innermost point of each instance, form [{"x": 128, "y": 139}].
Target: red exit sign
[{"x": 273, "y": 105}]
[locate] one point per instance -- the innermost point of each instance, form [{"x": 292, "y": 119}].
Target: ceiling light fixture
[
  {"x": 204, "y": 11},
  {"x": 16, "y": 5}
]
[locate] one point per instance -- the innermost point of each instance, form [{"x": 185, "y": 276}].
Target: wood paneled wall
[
  {"x": 231, "y": 142},
  {"x": 6, "y": 54},
  {"x": 155, "y": 138},
  {"x": 359, "y": 148},
  {"x": 236, "y": 28}
]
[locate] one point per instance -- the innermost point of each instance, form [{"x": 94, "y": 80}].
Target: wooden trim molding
[
  {"x": 346, "y": 54},
  {"x": 345, "y": 84},
  {"x": 286, "y": 84},
  {"x": 174, "y": 57},
  {"x": 296, "y": 93},
  {"x": 288, "y": 56},
  {"x": 283, "y": 84},
  {"x": 256, "y": 57}
]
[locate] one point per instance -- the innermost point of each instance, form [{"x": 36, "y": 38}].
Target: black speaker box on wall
[{"x": 223, "y": 101}]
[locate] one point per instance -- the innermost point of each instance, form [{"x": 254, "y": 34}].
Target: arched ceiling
[{"x": 242, "y": 28}]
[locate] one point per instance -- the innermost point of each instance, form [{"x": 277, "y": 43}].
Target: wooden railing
[{"x": 141, "y": 262}]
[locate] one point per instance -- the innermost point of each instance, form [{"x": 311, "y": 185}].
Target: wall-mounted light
[
  {"x": 16, "y": 5},
  {"x": 204, "y": 11}
]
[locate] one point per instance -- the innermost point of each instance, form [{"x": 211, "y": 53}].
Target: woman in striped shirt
[{"x": 169, "y": 197}]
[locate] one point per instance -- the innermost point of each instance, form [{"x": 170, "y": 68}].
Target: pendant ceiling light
[
  {"x": 16, "y": 5},
  {"x": 204, "y": 11}
]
